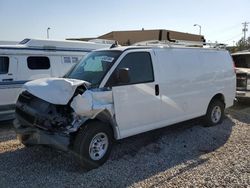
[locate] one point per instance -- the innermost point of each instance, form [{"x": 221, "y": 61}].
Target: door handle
[
  {"x": 7, "y": 79},
  {"x": 157, "y": 90}
]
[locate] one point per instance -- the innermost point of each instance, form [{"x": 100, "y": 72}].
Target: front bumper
[
  {"x": 31, "y": 135},
  {"x": 242, "y": 94}
]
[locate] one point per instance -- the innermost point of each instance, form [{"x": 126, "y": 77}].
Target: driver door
[
  {"x": 8, "y": 89},
  {"x": 136, "y": 103}
]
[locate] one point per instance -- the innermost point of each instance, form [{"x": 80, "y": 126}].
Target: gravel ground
[{"x": 184, "y": 155}]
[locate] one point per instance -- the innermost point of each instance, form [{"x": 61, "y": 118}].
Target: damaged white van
[{"x": 123, "y": 91}]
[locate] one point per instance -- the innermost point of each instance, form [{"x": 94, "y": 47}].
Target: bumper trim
[{"x": 243, "y": 94}]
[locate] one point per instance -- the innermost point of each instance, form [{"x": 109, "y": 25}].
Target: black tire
[
  {"x": 212, "y": 116},
  {"x": 81, "y": 147}
]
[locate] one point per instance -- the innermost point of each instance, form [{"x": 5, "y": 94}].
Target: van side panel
[
  {"x": 224, "y": 79},
  {"x": 189, "y": 78}
]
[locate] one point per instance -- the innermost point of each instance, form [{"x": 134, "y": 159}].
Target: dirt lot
[{"x": 184, "y": 155}]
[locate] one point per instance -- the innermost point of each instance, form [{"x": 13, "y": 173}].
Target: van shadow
[
  {"x": 182, "y": 143},
  {"x": 132, "y": 159}
]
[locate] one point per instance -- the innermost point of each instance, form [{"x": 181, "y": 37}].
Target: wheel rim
[
  {"x": 98, "y": 146},
  {"x": 216, "y": 114}
]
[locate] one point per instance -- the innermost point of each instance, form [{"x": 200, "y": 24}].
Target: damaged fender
[{"x": 92, "y": 102}]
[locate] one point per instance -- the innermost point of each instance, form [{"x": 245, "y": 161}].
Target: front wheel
[
  {"x": 215, "y": 113},
  {"x": 92, "y": 145}
]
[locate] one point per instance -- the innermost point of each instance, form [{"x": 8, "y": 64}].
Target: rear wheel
[
  {"x": 215, "y": 113},
  {"x": 92, "y": 145}
]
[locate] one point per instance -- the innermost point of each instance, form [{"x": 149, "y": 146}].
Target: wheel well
[
  {"x": 106, "y": 118},
  {"x": 85, "y": 124},
  {"x": 101, "y": 121},
  {"x": 102, "y": 117},
  {"x": 220, "y": 97}
]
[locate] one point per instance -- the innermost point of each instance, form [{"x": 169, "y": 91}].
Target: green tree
[
  {"x": 240, "y": 45},
  {"x": 243, "y": 45}
]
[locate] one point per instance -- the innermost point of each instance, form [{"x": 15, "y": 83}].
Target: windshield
[
  {"x": 93, "y": 67},
  {"x": 242, "y": 61}
]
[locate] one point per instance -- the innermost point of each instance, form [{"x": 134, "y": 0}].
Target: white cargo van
[
  {"x": 124, "y": 91},
  {"x": 32, "y": 59}
]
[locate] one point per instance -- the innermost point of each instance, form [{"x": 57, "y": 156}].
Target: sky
[{"x": 220, "y": 20}]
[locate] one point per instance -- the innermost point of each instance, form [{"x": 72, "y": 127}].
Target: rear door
[
  {"x": 136, "y": 103},
  {"x": 8, "y": 82}
]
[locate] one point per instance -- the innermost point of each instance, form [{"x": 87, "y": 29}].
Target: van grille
[
  {"x": 36, "y": 112},
  {"x": 241, "y": 81}
]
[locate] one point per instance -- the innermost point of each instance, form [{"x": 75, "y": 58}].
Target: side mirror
[{"x": 123, "y": 75}]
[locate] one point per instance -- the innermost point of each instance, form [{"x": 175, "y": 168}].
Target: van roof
[{"x": 125, "y": 48}]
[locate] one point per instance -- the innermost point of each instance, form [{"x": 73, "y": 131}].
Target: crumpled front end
[
  {"x": 51, "y": 122},
  {"x": 40, "y": 122}
]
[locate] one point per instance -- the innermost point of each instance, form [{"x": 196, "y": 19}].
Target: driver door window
[{"x": 140, "y": 69}]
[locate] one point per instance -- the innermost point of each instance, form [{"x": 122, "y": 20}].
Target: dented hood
[{"x": 53, "y": 90}]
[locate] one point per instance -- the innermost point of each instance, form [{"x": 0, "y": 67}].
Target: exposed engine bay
[{"x": 43, "y": 114}]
